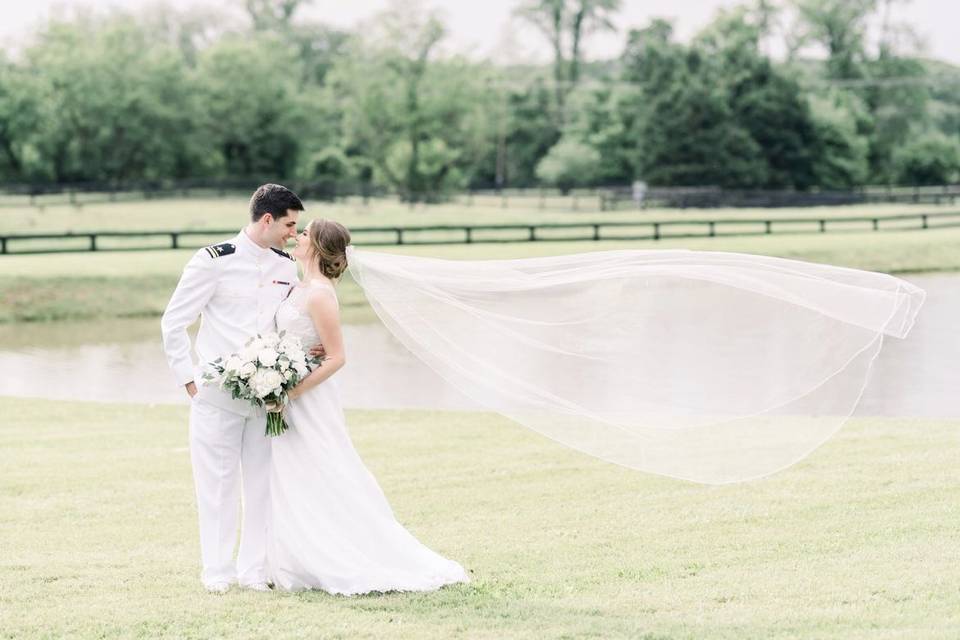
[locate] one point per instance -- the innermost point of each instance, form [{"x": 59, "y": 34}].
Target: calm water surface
[{"x": 122, "y": 361}]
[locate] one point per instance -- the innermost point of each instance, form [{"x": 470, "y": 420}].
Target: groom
[{"x": 235, "y": 288}]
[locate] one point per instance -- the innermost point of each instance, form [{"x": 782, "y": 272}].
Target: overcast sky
[{"x": 484, "y": 27}]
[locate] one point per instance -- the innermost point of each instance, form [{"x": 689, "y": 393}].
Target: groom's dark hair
[{"x": 274, "y": 199}]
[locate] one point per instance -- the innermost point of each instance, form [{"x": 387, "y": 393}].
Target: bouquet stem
[{"x": 276, "y": 425}]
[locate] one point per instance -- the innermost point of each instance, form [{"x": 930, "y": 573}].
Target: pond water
[{"x": 122, "y": 361}]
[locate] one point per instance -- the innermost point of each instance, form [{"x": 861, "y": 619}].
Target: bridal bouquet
[{"x": 262, "y": 372}]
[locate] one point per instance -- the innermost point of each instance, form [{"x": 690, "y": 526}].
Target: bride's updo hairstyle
[{"x": 329, "y": 240}]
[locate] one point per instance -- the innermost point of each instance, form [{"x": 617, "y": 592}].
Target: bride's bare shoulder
[{"x": 320, "y": 295}]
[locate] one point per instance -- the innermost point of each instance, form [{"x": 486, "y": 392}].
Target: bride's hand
[
  {"x": 274, "y": 407},
  {"x": 317, "y": 351}
]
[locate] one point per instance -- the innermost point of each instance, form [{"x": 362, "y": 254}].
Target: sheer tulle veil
[{"x": 707, "y": 366}]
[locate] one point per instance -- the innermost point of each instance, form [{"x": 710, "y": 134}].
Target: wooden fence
[
  {"x": 470, "y": 234},
  {"x": 610, "y": 198}
]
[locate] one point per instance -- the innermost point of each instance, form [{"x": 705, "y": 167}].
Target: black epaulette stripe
[
  {"x": 282, "y": 253},
  {"x": 217, "y": 250}
]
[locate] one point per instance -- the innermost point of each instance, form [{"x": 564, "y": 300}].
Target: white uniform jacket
[{"x": 235, "y": 287}]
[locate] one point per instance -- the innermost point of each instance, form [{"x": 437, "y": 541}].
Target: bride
[
  {"x": 331, "y": 526},
  {"x": 705, "y": 366}
]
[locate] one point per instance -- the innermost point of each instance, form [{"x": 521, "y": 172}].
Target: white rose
[
  {"x": 290, "y": 345},
  {"x": 267, "y": 356},
  {"x": 274, "y": 380},
  {"x": 270, "y": 340},
  {"x": 289, "y": 375},
  {"x": 261, "y": 383},
  {"x": 300, "y": 368},
  {"x": 233, "y": 364},
  {"x": 266, "y": 382},
  {"x": 247, "y": 370}
]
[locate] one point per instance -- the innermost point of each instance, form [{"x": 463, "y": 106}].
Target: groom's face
[{"x": 280, "y": 230}]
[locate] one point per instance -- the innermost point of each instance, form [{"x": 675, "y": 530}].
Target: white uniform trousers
[{"x": 223, "y": 447}]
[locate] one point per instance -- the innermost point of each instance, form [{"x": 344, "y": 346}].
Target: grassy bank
[
  {"x": 137, "y": 284},
  {"x": 858, "y": 541}
]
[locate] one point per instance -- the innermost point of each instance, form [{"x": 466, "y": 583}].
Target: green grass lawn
[
  {"x": 861, "y": 540},
  {"x": 138, "y": 284}
]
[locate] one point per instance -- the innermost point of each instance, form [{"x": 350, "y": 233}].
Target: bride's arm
[{"x": 322, "y": 307}]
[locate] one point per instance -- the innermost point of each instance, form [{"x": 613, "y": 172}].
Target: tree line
[{"x": 165, "y": 94}]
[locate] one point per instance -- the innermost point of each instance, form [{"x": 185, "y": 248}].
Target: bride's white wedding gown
[{"x": 332, "y": 527}]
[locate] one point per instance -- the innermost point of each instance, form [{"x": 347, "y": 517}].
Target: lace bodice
[{"x": 292, "y": 316}]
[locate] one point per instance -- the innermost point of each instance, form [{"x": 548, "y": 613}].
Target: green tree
[
  {"x": 565, "y": 24},
  {"x": 692, "y": 138},
  {"x": 840, "y": 26},
  {"x": 688, "y": 130},
  {"x": 898, "y": 110},
  {"x": 840, "y": 150},
  {"x": 764, "y": 100},
  {"x": 421, "y": 122},
  {"x": 603, "y": 119},
  {"x": 270, "y": 15},
  {"x": 19, "y": 121},
  {"x": 115, "y": 104},
  {"x": 929, "y": 159},
  {"x": 569, "y": 163},
  {"x": 253, "y": 110}
]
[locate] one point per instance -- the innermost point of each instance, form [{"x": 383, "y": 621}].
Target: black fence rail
[
  {"x": 471, "y": 234},
  {"x": 608, "y": 198},
  {"x": 83, "y": 193},
  {"x": 710, "y": 197}
]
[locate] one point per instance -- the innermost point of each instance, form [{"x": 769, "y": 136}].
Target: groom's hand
[{"x": 191, "y": 389}]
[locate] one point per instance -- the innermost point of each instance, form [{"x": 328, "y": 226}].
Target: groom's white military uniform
[{"x": 235, "y": 288}]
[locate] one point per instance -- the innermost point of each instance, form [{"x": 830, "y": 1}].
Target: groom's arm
[{"x": 196, "y": 287}]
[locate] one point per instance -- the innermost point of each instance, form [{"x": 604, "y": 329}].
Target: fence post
[
  {"x": 3, "y": 245},
  {"x": 399, "y": 231},
  {"x": 93, "y": 242},
  {"x": 469, "y": 234},
  {"x": 876, "y": 224},
  {"x": 823, "y": 226},
  {"x": 596, "y": 232},
  {"x": 656, "y": 230},
  {"x": 174, "y": 241},
  {"x": 924, "y": 224},
  {"x": 713, "y": 229},
  {"x": 533, "y": 234},
  {"x": 767, "y": 224}
]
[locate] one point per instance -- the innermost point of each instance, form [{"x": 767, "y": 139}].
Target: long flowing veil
[{"x": 707, "y": 366}]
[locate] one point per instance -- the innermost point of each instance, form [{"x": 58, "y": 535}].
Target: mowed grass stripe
[{"x": 860, "y": 540}]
